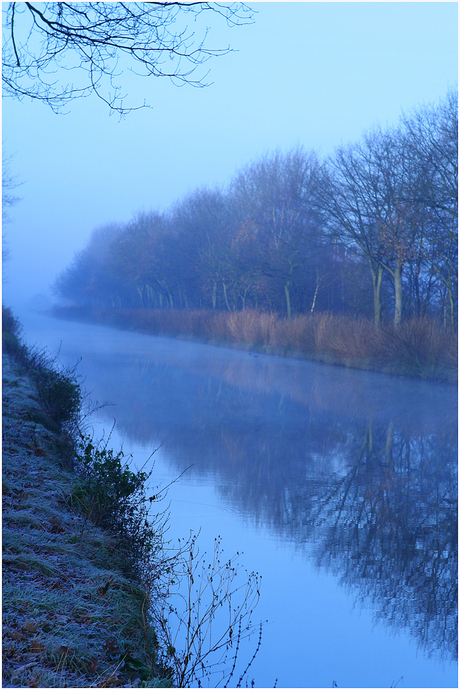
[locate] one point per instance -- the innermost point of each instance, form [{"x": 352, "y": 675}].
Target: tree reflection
[
  {"x": 365, "y": 482},
  {"x": 389, "y": 529}
]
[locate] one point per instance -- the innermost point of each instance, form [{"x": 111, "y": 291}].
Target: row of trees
[{"x": 371, "y": 230}]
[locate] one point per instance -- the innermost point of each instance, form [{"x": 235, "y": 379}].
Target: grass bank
[
  {"x": 418, "y": 348},
  {"x": 91, "y": 591},
  {"x": 74, "y": 614}
]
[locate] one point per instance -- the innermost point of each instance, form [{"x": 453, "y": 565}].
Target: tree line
[{"x": 370, "y": 230}]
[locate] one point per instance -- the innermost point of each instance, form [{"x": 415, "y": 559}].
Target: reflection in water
[
  {"x": 358, "y": 469},
  {"x": 389, "y": 528}
]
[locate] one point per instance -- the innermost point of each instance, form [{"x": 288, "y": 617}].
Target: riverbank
[
  {"x": 72, "y": 615},
  {"x": 88, "y": 574},
  {"x": 419, "y": 348}
]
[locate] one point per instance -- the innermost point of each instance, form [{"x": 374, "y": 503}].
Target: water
[{"x": 338, "y": 486}]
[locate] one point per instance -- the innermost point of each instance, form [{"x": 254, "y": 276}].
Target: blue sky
[{"x": 312, "y": 73}]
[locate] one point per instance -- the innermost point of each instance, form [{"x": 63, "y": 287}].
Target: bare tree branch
[{"x": 99, "y": 41}]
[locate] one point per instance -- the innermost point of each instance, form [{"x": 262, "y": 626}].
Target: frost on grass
[
  {"x": 74, "y": 613},
  {"x": 69, "y": 617}
]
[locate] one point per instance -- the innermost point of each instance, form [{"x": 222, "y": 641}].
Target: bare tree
[
  {"x": 203, "y": 252},
  {"x": 432, "y": 139},
  {"x": 348, "y": 208},
  {"x": 98, "y": 41},
  {"x": 368, "y": 194},
  {"x": 274, "y": 198}
]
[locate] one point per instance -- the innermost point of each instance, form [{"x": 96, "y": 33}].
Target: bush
[
  {"x": 11, "y": 331},
  {"x": 205, "y": 614},
  {"x": 57, "y": 387},
  {"x": 10, "y": 324},
  {"x": 418, "y": 345},
  {"x": 114, "y": 497},
  {"x": 59, "y": 392},
  {"x": 207, "y": 596}
]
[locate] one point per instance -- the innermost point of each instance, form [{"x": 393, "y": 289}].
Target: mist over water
[{"x": 339, "y": 486}]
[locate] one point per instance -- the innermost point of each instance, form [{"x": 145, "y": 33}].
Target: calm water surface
[{"x": 339, "y": 486}]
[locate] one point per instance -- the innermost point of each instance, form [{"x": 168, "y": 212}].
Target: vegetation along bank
[
  {"x": 87, "y": 576},
  {"x": 419, "y": 347},
  {"x": 74, "y": 608}
]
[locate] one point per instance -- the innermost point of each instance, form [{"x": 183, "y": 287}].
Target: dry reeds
[
  {"x": 420, "y": 343},
  {"x": 418, "y": 347}
]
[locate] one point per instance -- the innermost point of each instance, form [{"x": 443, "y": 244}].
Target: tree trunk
[
  {"x": 214, "y": 295},
  {"x": 377, "y": 274},
  {"x": 398, "y": 293},
  {"x": 225, "y": 296},
  {"x": 243, "y": 299},
  {"x": 316, "y": 293},
  {"x": 288, "y": 299}
]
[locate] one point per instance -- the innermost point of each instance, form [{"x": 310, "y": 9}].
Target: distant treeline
[{"x": 369, "y": 231}]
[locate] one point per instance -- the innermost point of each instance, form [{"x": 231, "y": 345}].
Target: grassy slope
[{"x": 69, "y": 617}]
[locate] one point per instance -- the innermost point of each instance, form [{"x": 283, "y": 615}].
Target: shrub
[
  {"x": 418, "y": 345},
  {"x": 10, "y": 324},
  {"x": 114, "y": 497},
  {"x": 57, "y": 387},
  {"x": 59, "y": 392},
  {"x": 11, "y": 331},
  {"x": 205, "y": 614}
]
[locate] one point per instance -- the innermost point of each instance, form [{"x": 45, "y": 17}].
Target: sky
[{"x": 318, "y": 74}]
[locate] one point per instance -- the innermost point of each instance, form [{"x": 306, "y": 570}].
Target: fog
[{"x": 315, "y": 74}]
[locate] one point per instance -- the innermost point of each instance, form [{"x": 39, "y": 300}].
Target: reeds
[{"x": 418, "y": 347}]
